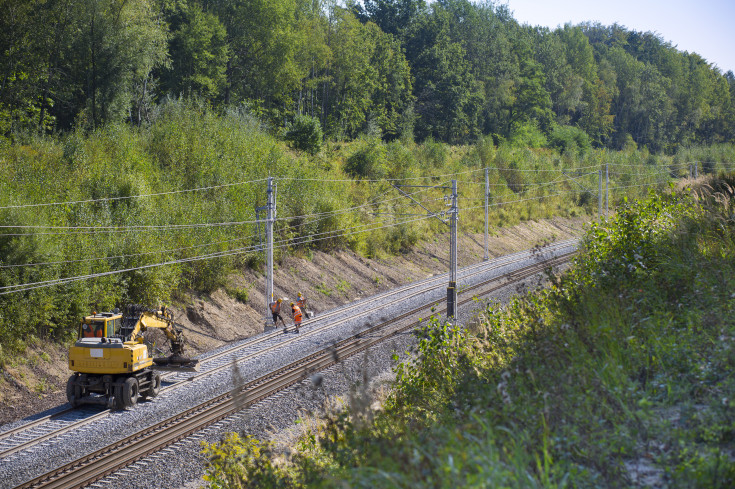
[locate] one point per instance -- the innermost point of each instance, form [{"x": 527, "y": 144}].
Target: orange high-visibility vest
[
  {"x": 296, "y": 314},
  {"x": 275, "y": 307},
  {"x": 301, "y": 302}
]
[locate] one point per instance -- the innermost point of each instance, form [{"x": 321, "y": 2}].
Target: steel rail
[
  {"x": 96, "y": 465},
  {"x": 468, "y": 272}
]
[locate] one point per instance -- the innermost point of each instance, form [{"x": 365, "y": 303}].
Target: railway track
[
  {"x": 102, "y": 462},
  {"x": 38, "y": 431}
]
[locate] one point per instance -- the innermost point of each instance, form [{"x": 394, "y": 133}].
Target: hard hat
[
  {"x": 299, "y": 294},
  {"x": 292, "y": 303},
  {"x": 279, "y": 300}
]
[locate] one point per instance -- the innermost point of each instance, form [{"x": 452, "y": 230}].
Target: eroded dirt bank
[{"x": 37, "y": 381}]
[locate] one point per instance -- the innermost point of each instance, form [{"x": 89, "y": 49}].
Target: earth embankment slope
[{"x": 36, "y": 382}]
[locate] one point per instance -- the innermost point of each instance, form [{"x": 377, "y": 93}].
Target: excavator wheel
[
  {"x": 155, "y": 387},
  {"x": 73, "y": 391},
  {"x": 129, "y": 393}
]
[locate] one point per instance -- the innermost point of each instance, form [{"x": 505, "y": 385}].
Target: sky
[{"x": 705, "y": 27}]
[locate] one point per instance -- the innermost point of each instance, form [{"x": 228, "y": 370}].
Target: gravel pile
[{"x": 182, "y": 463}]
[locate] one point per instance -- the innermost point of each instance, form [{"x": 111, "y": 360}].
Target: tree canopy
[{"x": 452, "y": 70}]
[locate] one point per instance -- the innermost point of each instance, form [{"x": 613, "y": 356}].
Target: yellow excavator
[{"x": 111, "y": 362}]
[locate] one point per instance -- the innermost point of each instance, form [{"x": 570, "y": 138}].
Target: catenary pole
[
  {"x": 487, "y": 197},
  {"x": 452, "y": 288},
  {"x": 270, "y": 217},
  {"x": 599, "y": 195},
  {"x": 452, "y": 222},
  {"x": 607, "y": 191}
]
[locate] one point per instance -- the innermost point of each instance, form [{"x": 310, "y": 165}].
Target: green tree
[
  {"x": 533, "y": 102},
  {"x": 25, "y": 38},
  {"x": 729, "y": 114},
  {"x": 262, "y": 68},
  {"x": 493, "y": 44},
  {"x": 199, "y": 53},
  {"x": 565, "y": 87},
  {"x": 370, "y": 79},
  {"x": 305, "y": 134},
  {"x": 392, "y": 16},
  {"x": 449, "y": 98},
  {"x": 119, "y": 43}
]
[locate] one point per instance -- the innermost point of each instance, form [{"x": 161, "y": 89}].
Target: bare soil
[{"x": 36, "y": 382}]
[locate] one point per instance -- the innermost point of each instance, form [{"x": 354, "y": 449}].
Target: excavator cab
[{"x": 103, "y": 325}]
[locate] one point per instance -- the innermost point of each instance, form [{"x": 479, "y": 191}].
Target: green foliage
[
  {"x": 569, "y": 139},
  {"x": 188, "y": 144},
  {"x": 427, "y": 381},
  {"x": 626, "y": 358},
  {"x": 630, "y": 245},
  {"x": 322, "y": 288},
  {"x": 448, "y": 96},
  {"x": 433, "y": 154},
  {"x": 453, "y": 70},
  {"x": 186, "y": 147},
  {"x": 241, "y": 462},
  {"x": 368, "y": 161},
  {"x": 262, "y": 45},
  {"x": 370, "y": 80},
  {"x": 527, "y": 135},
  {"x": 79, "y": 62},
  {"x": 305, "y": 134},
  {"x": 199, "y": 53}
]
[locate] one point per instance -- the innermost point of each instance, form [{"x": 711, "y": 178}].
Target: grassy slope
[
  {"x": 190, "y": 146},
  {"x": 621, "y": 374}
]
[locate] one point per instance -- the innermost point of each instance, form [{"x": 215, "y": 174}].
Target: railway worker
[
  {"x": 92, "y": 331},
  {"x": 276, "y": 312},
  {"x": 301, "y": 302},
  {"x": 296, "y": 314}
]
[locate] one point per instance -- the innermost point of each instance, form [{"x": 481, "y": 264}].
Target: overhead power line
[
  {"x": 233, "y": 184},
  {"x": 81, "y": 230},
  {"x": 109, "y": 199},
  {"x": 220, "y": 254},
  {"x": 321, "y": 217},
  {"x": 132, "y": 255},
  {"x": 114, "y": 229}
]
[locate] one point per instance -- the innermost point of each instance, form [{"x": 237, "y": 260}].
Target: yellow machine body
[
  {"x": 105, "y": 354},
  {"x": 111, "y": 362}
]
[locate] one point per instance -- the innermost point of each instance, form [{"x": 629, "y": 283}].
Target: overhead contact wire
[
  {"x": 63, "y": 281},
  {"x": 109, "y": 199}
]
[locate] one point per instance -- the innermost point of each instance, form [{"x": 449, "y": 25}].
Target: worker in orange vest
[
  {"x": 276, "y": 312},
  {"x": 296, "y": 314},
  {"x": 90, "y": 331},
  {"x": 301, "y": 302}
]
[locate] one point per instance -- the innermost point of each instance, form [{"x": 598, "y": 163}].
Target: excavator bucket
[{"x": 175, "y": 363}]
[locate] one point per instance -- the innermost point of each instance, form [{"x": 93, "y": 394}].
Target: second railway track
[
  {"x": 27, "y": 435},
  {"x": 204, "y": 414}
]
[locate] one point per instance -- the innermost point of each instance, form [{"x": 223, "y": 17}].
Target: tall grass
[
  {"x": 191, "y": 146},
  {"x": 625, "y": 362}
]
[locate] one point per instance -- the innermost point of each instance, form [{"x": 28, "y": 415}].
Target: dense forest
[
  {"x": 450, "y": 70},
  {"x": 136, "y": 135}
]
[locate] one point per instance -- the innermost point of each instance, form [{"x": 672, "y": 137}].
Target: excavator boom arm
[{"x": 138, "y": 319}]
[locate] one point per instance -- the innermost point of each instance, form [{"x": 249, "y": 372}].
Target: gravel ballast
[{"x": 273, "y": 418}]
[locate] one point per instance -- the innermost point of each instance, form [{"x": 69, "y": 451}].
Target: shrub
[
  {"x": 305, "y": 134},
  {"x": 368, "y": 161},
  {"x": 433, "y": 154},
  {"x": 569, "y": 140},
  {"x": 527, "y": 135}
]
